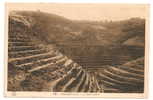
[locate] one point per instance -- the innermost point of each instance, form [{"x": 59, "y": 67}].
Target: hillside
[
  {"x": 47, "y": 52},
  {"x": 85, "y": 41}
]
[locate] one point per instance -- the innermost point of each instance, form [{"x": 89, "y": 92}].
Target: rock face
[{"x": 47, "y": 52}]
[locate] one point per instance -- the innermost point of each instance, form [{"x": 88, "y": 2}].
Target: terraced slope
[
  {"x": 34, "y": 67},
  {"x": 128, "y": 77}
]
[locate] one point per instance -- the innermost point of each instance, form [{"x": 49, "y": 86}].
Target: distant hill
[
  {"x": 88, "y": 40},
  {"x": 57, "y": 29}
]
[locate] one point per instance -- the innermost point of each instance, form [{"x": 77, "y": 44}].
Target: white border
[{"x": 105, "y": 1}]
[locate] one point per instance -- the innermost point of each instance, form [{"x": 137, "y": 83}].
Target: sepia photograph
[{"x": 76, "y": 50}]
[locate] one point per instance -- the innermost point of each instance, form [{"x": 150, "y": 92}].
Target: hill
[{"x": 97, "y": 42}]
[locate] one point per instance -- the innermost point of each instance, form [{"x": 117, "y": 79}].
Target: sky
[{"x": 87, "y": 11}]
